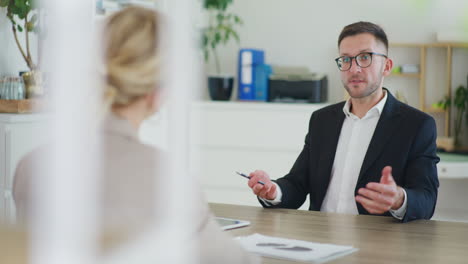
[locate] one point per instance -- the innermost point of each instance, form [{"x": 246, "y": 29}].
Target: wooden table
[{"x": 379, "y": 239}]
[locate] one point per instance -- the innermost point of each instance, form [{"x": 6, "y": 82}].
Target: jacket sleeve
[{"x": 421, "y": 181}]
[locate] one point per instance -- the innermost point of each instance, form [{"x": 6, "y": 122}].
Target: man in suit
[{"x": 369, "y": 155}]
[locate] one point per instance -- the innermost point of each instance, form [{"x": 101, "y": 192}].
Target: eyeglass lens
[{"x": 363, "y": 60}]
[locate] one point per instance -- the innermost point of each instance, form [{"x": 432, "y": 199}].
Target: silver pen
[{"x": 248, "y": 177}]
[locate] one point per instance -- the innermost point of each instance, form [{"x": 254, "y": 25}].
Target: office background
[{"x": 304, "y": 33}]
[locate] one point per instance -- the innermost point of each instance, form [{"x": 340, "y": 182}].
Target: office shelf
[
  {"x": 423, "y": 47},
  {"x": 432, "y": 110},
  {"x": 406, "y": 75}
]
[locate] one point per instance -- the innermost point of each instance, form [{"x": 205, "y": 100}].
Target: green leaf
[
  {"x": 238, "y": 20},
  {"x": 12, "y": 20},
  {"x": 20, "y": 29},
  {"x": 217, "y": 4},
  {"x": 460, "y": 97},
  {"x": 205, "y": 40},
  {"x": 444, "y": 103},
  {"x": 226, "y": 36},
  {"x": 17, "y": 11},
  {"x": 221, "y": 26},
  {"x": 236, "y": 36},
  {"x": 20, "y": 5},
  {"x": 21, "y": 8},
  {"x": 217, "y": 37}
]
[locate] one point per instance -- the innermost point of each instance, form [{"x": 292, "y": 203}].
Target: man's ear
[{"x": 388, "y": 67}]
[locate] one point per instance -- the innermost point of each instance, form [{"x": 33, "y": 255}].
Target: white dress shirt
[{"x": 353, "y": 143}]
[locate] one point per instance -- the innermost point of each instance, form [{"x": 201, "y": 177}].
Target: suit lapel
[{"x": 387, "y": 125}]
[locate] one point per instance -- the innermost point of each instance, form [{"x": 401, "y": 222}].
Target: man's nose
[{"x": 355, "y": 67}]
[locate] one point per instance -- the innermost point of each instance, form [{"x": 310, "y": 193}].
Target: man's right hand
[{"x": 267, "y": 191}]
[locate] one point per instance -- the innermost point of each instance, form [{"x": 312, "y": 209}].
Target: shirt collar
[{"x": 378, "y": 108}]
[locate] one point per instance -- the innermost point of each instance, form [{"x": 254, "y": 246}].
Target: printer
[{"x": 297, "y": 85}]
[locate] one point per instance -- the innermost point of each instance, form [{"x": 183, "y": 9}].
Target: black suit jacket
[{"x": 404, "y": 138}]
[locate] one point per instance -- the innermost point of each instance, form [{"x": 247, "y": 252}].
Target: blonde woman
[{"x": 132, "y": 93}]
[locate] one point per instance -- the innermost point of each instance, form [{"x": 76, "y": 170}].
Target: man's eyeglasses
[{"x": 363, "y": 60}]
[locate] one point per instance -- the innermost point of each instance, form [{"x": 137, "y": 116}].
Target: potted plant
[
  {"x": 23, "y": 15},
  {"x": 460, "y": 102},
  {"x": 220, "y": 30}
]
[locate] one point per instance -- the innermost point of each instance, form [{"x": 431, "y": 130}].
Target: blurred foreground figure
[{"x": 133, "y": 91}]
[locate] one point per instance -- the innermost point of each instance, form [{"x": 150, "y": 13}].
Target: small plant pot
[{"x": 220, "y": 87}]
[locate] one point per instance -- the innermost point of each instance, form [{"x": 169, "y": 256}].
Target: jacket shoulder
[
  {"x": 330, "y": 109},
  {"x": 414, "y": 114}
]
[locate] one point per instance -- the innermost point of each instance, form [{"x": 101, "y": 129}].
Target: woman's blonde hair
[{"x": 131, "y": 55}]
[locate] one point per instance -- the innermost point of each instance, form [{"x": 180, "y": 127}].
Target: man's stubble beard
[{"x": 370, "y": 88}]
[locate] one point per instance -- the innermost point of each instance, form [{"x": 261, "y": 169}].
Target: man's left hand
[{"x": 378, "y": 198}]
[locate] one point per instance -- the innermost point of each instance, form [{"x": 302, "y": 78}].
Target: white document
[{"x": 291, "y": 249}]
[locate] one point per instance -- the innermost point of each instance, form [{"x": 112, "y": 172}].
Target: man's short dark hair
[{"x": 364, "y": 27}]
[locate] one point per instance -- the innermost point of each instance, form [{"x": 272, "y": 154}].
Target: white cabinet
[
  {"x": 453, "y": 166},
  {"x": 19, "y": 134}
]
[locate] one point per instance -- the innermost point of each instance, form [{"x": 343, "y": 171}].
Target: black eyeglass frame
[{"x": 351, "y": 63}]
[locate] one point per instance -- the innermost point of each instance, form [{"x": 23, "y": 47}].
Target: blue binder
[{"x": 249, "y": 59}]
